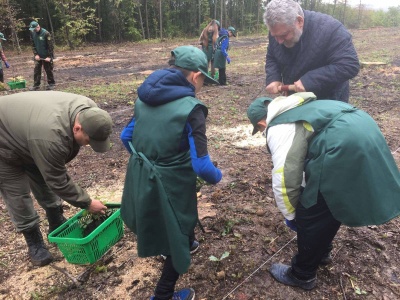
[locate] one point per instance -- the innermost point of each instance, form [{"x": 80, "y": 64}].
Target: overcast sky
[{"x": 376, "y": 4}]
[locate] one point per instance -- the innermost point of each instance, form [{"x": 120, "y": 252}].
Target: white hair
[{"x": 282, "y": 12}]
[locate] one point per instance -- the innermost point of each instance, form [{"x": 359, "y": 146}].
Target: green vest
[
  {"x": 349, "y": 162},
  {"x": 40, "y": 41},
  {"x": 159, "y": 202}
]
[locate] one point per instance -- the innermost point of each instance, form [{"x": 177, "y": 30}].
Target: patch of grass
[{"x": 101, "y": 92}]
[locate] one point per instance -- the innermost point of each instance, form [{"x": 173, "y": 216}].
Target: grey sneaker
[
  {"x": 34, "y": 88},
  {"x": 283, "y": 274},
  {"x": 50, "y": 87}
]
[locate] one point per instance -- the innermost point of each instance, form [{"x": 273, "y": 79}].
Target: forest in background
[{"x": 78, "y": 22}]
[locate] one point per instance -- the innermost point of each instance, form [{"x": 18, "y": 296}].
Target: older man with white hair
[{"x": 311, "y": 51}]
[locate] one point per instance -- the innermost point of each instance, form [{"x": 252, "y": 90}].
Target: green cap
[
  {"x": 2, "y": 37},
  {"x": 193, "y": 59},
  {"x": 233, "y": 30},
  {"x": 257, "y": 111},
  {"x": 218, "y": 23},
  {"x": 33, "y": 25},
  {"x": 97, "y": 124}
]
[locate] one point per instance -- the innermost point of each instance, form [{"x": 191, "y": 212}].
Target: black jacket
[{"x": 324, "y": 58}]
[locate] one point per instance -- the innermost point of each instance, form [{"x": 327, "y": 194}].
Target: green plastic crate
[
  {"x": 87, "y": 250},
  {"x": 17, "y": 84}
]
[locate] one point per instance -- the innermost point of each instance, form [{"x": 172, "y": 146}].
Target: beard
[{"x": 296, "y": 37}]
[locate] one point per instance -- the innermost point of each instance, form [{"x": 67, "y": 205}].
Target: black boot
[
  {"x": 55, "y": 217},
  {"x": 37, "y": 252}
]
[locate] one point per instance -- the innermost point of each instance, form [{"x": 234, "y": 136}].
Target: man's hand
[
  {"x": 96, "y": 207},
  {"x": 273, "y": 87},
  {"x": 7, "y": 64},
  {"x": 228, "y": 59},
  {"x": 37, "y": 57},
  {"x": 299, "y": 87},
  {"x": 48, "y": 59}
]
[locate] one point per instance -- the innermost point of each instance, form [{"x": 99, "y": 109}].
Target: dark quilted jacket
[{"x": 324, "y": 58}]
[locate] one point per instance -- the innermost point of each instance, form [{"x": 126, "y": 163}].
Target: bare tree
[
  {"x": 161, "y": 27},
  {"x": 140, "y": 18}
]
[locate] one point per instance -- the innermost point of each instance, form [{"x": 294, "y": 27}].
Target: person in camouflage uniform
[
  {"x": 3, "y": 58},
  {"x": 42, "y": 46}
]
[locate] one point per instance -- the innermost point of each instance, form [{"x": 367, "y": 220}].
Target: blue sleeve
[
  {"x": 202, "y": 166},
  {"x": 224, "y": 46},
  {"x": 126, "y": 134}
]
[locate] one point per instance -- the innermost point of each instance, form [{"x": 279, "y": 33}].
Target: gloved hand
[
  {"x": 291, "y": 224},
  {"x": 7, "y": 64},
  {"x": 228, "y": 59}
]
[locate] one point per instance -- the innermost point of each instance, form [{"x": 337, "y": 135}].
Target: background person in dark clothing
[
  {"x": 311, "y": 50},
  {"x": 43, "y": 50}
]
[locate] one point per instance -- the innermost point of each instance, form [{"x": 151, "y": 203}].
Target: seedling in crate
[{"x": 89, "y": 222}]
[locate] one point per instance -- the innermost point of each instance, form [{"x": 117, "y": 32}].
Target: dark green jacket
[
  {"x": 349, "y": 162},
  {"x": 159, "y": 202},
  {"x": 36, "y": 128},
  {"x": 42, "y": 43}
]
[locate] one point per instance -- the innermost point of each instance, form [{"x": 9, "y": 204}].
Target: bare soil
[{"x": 238, "y": 214}]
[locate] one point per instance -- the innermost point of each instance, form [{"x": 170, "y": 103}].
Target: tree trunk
[
  {"x": 147, "y": 20},
  {"x": 51, "y": 23},
  {"x": 141, "y": 20},
  {"x": 161, "y": 28},
  {"x": 100, "y": 25},
  {"x": 11, "y": 15}
]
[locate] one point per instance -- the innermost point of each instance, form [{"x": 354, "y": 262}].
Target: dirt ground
[{"x": 239, "y": 215}]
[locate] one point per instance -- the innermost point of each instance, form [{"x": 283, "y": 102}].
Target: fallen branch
[
  {"x": 75, "y": 282},
  {"x": 342, "y": 288}
]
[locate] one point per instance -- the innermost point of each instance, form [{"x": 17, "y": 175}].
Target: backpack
[{"x": 220, "y": 40}]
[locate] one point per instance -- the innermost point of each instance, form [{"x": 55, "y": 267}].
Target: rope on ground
[
  {"x": 255, "y": 271},
  {"x": 396, "y": 150}
]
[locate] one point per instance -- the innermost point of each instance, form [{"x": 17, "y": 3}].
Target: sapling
[
  {"x": 89, "y": 222},
  {"x": 218, "y": 260}
]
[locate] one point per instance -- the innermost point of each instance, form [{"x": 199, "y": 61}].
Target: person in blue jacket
[
  {"x": 168, "y": 145},
  {"x": 221, "y": 56},
  {"x": 310, "y": 50}
]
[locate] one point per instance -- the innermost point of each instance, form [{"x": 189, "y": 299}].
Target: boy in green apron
[
  {"x": 168, "y": 143},
  {"x": 221, "y": 56},
  {"x": 332, "y": 165}
]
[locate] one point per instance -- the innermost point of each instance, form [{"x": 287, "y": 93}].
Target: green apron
[
  {"x": 159, "y": 202},
  {"x": 219, "y": 58},
  {"x": 349, "y": 162}
]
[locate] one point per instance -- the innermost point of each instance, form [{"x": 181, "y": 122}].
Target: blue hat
[{"x": 2, "y": 37}]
